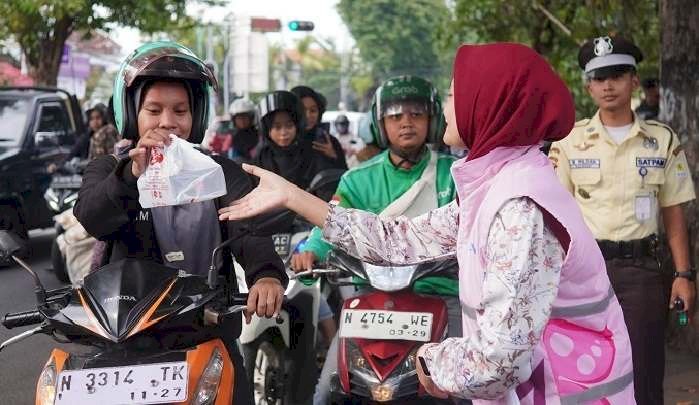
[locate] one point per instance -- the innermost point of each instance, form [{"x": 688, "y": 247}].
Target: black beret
[{"x": 607, "y": 52}]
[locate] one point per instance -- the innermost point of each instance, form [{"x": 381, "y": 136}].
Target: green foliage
[
  {"x": 317, "y": 64},
  {"x": 398, "y": 37},
  {"x": 522, "y": 21},
  {"x": 42, "y": 26}
]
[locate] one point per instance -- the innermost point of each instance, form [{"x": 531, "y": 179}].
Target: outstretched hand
[
  {"x": 275, "y": 193},
  {"x": 272, "y": 193}
]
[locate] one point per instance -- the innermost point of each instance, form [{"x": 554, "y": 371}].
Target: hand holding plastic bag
[{"x": 179, "y": 174}]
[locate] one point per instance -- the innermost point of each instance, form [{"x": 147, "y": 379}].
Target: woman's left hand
[
  {"x": 326, "y": 148},
  {"x": 264, "y": 298},
  {"x": 272, "y": 193},
  {"x": 426, "y": 380}
]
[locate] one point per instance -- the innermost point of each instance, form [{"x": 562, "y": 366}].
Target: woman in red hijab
[{"x": 541, "y": 323}]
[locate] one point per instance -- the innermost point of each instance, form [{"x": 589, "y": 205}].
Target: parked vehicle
[
  {"x": 155, "y": 334},
  {"x": 381, "y": 330},
  {"x": 38, "y": 126}
]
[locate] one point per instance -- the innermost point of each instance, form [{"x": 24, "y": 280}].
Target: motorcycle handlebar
[
  {"x": 314, "y": 272},
  {"x": 18, "y": 319}
]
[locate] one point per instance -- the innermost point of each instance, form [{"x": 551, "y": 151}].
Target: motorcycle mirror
[
  {"x": 212, "y": 277},
  {"x": 12, "y": 246}
]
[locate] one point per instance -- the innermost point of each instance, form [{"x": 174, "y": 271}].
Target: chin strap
[{"x": 406, "y": 156}]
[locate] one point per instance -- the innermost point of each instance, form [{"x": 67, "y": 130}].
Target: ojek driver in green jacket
[{"x": 407, "y": 178}]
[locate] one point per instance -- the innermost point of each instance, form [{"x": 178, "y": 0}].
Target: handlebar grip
[{"x": 19, "y": 319}]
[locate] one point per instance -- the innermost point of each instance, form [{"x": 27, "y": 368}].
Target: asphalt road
[{"x": 21, "y": 363}]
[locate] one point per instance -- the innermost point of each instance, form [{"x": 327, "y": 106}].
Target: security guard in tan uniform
[{"x": 625, "y": 173}]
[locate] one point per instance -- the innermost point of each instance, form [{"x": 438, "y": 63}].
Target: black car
[{"x": 38, "y": 126}]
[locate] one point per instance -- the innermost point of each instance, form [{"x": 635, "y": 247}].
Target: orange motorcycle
[{"x": 153, "y": 334}]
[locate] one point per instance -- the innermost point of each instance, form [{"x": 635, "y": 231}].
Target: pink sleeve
[{"x": 400, "y": 240}]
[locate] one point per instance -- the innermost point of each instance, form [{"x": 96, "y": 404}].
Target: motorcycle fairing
[
  {"x": 125, "y": 294},
  {"x": 384, "y": 356}
]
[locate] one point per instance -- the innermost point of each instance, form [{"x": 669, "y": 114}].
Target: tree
[
  {"x": 556, "y": 29},
  {"x": 41, "y": 27},
  {"x": 398, "y": 37},
  {"x": 679, "y": 107}
]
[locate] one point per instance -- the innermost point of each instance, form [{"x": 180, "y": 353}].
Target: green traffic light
[{"x": 297, "y": 25}]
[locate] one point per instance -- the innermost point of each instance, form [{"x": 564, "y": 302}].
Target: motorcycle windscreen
[{"x": 120, "y": 294}]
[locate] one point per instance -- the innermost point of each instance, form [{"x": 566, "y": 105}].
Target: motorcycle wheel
[
  {"x": 58, "y": 262},
  {"x": 265, "y": 366}
]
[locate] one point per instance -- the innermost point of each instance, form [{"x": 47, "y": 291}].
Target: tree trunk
[
  {"x": 679, "y": 108},
  {"x": 44, "y": 59}
]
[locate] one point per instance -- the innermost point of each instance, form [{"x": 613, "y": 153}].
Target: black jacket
[{"x": 109, "y": 210}]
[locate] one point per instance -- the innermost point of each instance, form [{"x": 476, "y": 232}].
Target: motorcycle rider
[
  {"x": 245, "y": 133},
  {"x": 162, "y": 88},
  {"x": 351, "y": 143},
  {"x": 314, "y": 105},
  {"x": 407, "y": 178},
  {"x": 285, "y": 150}
]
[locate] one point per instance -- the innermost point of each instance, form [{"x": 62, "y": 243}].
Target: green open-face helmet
[
  {"x": 406, "y": 89},
  {"x": 162, "y": 60}
]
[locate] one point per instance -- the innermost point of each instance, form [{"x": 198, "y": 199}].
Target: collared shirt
[{"x": 621, "y": 187}]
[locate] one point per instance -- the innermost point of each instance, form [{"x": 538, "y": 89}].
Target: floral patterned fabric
[{"x": 524, "y": 261}]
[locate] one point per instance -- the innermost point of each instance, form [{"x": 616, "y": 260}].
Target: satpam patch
[
  {"x": 650, "y": 162},
  {"x": 584, "y": 163}
]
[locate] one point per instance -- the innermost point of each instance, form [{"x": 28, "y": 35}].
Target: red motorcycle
[{"x": 381, "y": 330}]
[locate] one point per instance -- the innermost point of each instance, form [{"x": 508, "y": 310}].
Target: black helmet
[
  {"x": 305, "y": 91},
  {"x": 280, "y": 100}
]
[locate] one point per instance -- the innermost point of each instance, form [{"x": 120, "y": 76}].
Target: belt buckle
[{"x": 625, "y": 249}]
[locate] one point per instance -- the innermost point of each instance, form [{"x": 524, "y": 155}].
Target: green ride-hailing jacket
[{"x": 373, "y": 186}]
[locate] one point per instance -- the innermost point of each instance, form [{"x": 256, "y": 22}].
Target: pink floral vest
[{"x": 584, "y": 355}]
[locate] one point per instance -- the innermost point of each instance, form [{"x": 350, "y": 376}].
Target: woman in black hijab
[
  {"x": 314, "y": 105},
  {"x": 286, "y": 151}
]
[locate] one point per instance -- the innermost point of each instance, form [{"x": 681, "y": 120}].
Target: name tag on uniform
[
  {"x": 174, "y": 256},
  {"x": 650, "y": 162},
  {"x": 584, "y": 163}
]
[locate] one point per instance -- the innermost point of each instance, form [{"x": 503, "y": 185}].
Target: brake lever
[{"x": 21, "y": 336}]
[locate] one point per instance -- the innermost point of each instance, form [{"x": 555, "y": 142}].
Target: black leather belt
[{"x": 632, "y": 249}]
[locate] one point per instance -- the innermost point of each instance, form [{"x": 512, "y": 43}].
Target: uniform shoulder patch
[
  {"x": 657, "y": 124},
  {"x": 582, "y": 122}
]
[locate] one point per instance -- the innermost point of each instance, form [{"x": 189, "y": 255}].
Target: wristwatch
[{"x": 690, "y": 274}]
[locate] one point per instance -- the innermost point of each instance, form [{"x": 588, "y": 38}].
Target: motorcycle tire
[
  {"x": 58, "y": 263},
  {"x": 265, "y": 366}
]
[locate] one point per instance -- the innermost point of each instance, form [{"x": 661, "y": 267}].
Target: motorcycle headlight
[
  {"x": 46, "y": 386},
  {"x": 209, "y": 381},
  {"x": 51, "y": 199},
  {"x": 70, "y": 200},
  {"x": 357, "y": 364}
]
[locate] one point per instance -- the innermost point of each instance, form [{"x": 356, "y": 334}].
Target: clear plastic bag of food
[{"x": 179, "y": 174}]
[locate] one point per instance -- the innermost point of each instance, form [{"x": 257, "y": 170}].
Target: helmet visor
[
  {"x": 404, "y": 107},
  {"x": 168, "y": 62}
]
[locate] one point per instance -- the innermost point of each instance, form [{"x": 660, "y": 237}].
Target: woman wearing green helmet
[{"x": 162, "y": 88}]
